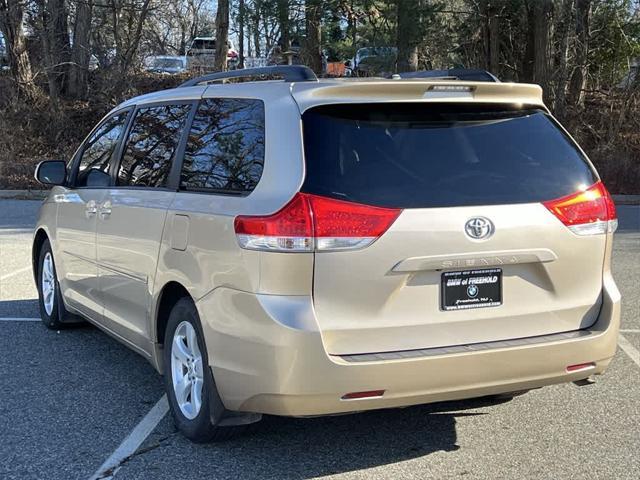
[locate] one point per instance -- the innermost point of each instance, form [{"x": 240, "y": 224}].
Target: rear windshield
[{"x": 419, "y": 156}]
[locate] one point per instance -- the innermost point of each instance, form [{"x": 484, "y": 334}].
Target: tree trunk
[
  {"x": 527, "y": 61},
  {"x": 283, "y": 22},
  {"x": 222, "y": 35},
  {"x": 579, "y": 77},
  {"x": 492, "y": 37},
  {"x": 562, "y": 35},
  {"x": 536, "y": 66},
  {"x": 255, "y": 20},
  {"x": 55, "y": 41},
  {"x": 241, "y": 14},
  {"x": 313, "y": 17},
  {"x": 409, "y": 34},
  {"x": 81, "y": 50},
  {"x": 543, "y": 9},
  {"x": 11, "y": 19}
]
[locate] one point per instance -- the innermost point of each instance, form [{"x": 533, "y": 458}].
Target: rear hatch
[{"x": 485, "y": 239}]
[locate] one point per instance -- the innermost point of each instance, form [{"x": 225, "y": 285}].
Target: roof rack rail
[{"x": 290, "y": 73}]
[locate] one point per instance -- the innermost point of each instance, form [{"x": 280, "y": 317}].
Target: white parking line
[
  {"x": 19, "y": 319},
  {"x": 629, "y": 349},
  {"x": 133, "y": 441},
  {"x": 14, "y": 273},
  {"x": 630, "y": 330}
]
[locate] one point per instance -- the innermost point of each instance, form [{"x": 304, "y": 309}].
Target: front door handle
[
  {"x": 105, "y": 209},
  {"x": 90, "y": 208}
]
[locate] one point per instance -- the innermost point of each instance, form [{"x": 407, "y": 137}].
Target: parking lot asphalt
[{"x": 68, "y": 399}]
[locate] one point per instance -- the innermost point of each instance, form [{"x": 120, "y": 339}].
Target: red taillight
[
  {"x": 232, "y": 55},
  {"x": 357, "y": 395},
  {"x": 586, "y": 212},
  {"x": 580, "y": 366},
  {"x": 311, "y": 222}
]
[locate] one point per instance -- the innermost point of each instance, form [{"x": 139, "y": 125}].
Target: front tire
[
  {"x": 188, "y": 382},
  {"x": 49, "y": 299}
]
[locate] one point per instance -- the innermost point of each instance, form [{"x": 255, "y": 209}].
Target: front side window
[
  {"x": 93, "y": 168},
  {"x": 151, "y": 145},
  {"x": 225, "y": 149}
]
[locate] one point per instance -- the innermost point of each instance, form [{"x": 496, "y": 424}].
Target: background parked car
[
  {"x": 166, "y": 64},
  {"x": 202, "y": 53},
  {"x": 370, "y": 61}
]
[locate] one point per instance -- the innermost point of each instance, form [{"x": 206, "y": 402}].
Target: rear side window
[
  {"x": 93, "y": 169},
  {"x": 419, "y": 156},
  {"x": 151, "y": 145},
  {"x": 225, "y": 148}
]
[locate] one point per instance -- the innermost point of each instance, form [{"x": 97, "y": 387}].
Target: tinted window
[
  {"x": 225, "y": 149},
  {"x": 413, "y": 156},
  {"x": 152, "y": 143},
  {"x": 93, "y": 169}
]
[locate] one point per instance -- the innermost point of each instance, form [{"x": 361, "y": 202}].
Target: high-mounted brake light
[
  {"x": 310, "y": 222},
  {"x": 588, "y": 212}
]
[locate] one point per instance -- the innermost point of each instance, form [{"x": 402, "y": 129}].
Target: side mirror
[{"x": 51, "y": 172}]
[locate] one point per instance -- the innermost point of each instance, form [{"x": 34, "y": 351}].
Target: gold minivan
[{"x": 311, "y": 247}]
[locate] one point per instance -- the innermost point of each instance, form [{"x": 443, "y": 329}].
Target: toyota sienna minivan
[{"x": 306, "y": 247}]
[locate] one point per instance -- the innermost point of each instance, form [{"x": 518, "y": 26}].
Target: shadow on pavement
[{"x": 294, "y": 448}]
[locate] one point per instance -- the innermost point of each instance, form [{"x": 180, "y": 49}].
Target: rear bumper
[{"x": 267, "y": 356}]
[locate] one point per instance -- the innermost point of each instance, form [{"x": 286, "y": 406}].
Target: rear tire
[{"x": 188, "y": 381}]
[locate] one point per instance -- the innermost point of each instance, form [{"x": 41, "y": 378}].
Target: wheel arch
[
  {"x": 38, "y": 240},
  {"x": 170, "y": 293}
]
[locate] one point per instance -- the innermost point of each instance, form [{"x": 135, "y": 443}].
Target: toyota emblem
[{"x": 479, "y": 228}]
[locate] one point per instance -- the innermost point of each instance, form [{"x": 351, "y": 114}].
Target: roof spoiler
[{"x": 468, "y": 74}]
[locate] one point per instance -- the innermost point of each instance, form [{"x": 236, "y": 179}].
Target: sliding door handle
[
  {"x": 105, "y": 209},
  {"x": 90, "y": 208}
]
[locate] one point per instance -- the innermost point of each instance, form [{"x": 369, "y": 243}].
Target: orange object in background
[{"x": 335, "y": 69}]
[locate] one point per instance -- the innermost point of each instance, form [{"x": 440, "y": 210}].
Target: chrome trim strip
[
  {"x": 138, "y": 278},
  {"x": 80, "y": 257},
  {"x": 470, "y": 348},
  {"x": 475, "y": 260},
  {"x": 143, "y": 279}
]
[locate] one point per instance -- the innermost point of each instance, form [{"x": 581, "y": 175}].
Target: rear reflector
[
  {"x": 587, "y": 212},
  {"x": 310, "y": 222},
  {"x": 580, "y": 366},
  {"x": 369, "y": 394}
]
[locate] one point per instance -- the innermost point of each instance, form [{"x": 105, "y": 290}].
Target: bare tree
[
  {"x": 127, "y": 22},
  {"x": 222, "y": 35},
  {"x": 11, "y": 20}
]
